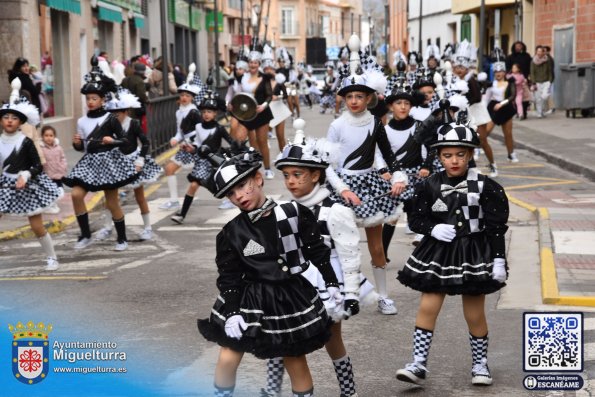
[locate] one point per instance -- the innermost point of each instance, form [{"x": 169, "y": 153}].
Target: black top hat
[
  {"x": 454, "y": 134},
  {"x": 303, "y": 152}
]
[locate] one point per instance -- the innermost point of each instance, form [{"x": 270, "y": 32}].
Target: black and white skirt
[
  {"x": 184, "y": 159},
  {"x": 202, "y": 173},
  {"x": 412, "y": 181},
  {"x": 102, "y": 171},
  {"x": 149, "y": 174},
  {"x": 374, "y": 210},
  {"x": 328, "y": 101},
  {"x": 461, "y": 267},
  {"x": 39, "y": 193},
  {"x": 285, "y": 319}
]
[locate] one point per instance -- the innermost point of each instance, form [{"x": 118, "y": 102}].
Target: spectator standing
[
  {"x": 135, "y": 83},
  {"x": 156, "y": 80},
  {"x": 541, "y": 77},
  {"x": 520, "y": 56},
  {"x": 223, "y": 75},
  {"x": 21, "y": 70},
  {"x": 55, "y": 161},
  {"x": 520, "y": 82}
]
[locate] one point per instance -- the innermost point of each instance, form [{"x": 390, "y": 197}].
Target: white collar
[
  {"x": 318, "y": 194},
  {"x": 359, "y": 119},
  {"x": 5, "y": 137}
]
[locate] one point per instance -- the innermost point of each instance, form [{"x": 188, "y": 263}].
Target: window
[
  {"x": 287, "y": 22},
  {"x": 438, "y": 42},
  {"x": 466, "y": 27},
  {"x": 236, "y": 4}
]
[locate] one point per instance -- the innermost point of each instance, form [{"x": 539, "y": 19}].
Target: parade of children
[{"x": 299, "y": 262}]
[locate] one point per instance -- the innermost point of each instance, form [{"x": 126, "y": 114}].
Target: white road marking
[
  {"x": 186, "y": 228},
  {"x": 568, "y": 242}
]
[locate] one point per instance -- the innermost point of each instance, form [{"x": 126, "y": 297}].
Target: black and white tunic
[
  {"x": 18, "y": 156},
  {"x": 410, "y": 156},
  {"x": 329, "y": 92},
  {"x": 495, "y": 95},
  {"x": 259, "y": 268},
  {"x": 151, "y": 171},
  {"x": 421, "y": 112},
  {"x": 262, "y": 92},
  {"x": 362, "y": 141},
  {"x": 209, "y": 135},
  {"x": 478, "y": 208},
  {"x": 187, "y": 117},
  {"x": 339, "y": 231},
  {"x": 102, "y": 167}
]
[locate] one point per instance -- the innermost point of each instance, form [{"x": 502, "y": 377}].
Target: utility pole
[
  {"x": 482, "y": 28},
  {"x": 164, "y": 57},
  {"x": 242, "y": 26},
  {"x": 420, "y": 18},
  {"x": 266, "y": 21},
  {"x": 216, "y": 24},
  {"x": 386, "y": 22}
]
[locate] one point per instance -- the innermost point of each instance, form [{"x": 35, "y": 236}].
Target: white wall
[{"x": 437, "y": 21}]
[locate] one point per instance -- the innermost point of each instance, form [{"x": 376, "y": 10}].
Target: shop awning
[
  {"x": 139, "y": 20},
  {"x": 73, "y": 6},
  {"x": 109, "y": 12}
]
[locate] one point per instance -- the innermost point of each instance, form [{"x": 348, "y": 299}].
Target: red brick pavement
[{"x": 570, "y": 261}]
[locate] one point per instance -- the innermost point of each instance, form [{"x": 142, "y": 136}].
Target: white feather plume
[{"x": 376, "y": 80}]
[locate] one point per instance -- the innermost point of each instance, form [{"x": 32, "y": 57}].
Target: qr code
[{"x": 553, "y": 342}]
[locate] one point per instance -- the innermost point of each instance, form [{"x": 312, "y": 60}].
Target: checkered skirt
[
  {"x": 373, "y": 211},
  {"x": 149, "y": 174},
  {"x": 328, "y": 100},
  {"x": 39, "y": 194},
  {"x": 412, "y": 182},
  {"x": 102, "y": 171},
  {"x": 184, "y": 159}
]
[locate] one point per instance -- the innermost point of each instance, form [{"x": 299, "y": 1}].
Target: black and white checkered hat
[
  {"x": 96, "y": 82},
  {"x": 454, "y": 134},
  {"x": 398, "y": 88},
  {"x": 362, "y": 73},
  {"x": 235, "y": 169},
  {"x": 210, "y": 101},
  {"x": 304, "y": 152},
  {"x": 20, "y": 105},
  {"x": 190, "y": 85}
]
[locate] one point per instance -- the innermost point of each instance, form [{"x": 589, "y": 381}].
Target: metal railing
[{"x": 161, "y": 122}]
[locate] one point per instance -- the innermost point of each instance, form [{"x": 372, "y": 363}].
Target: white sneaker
[
  {"x": 179, "y": 219},
  {"x": 82, "y": 243},
  {"x": 52, "y": 264},
  {"x": 146, "y": 234},
  {"x": 268, "y": 174},
  {"x": 512, "y": 157},
  {"x": 386, "y": 306},
  {"x": 52, "y": 209},
  {"x": 407, "y": 230},
  {"x": 226, "y": 204},
  {"x": 413, "y": 373},
  {"x": 121, "y": 246},
  {"x": 169, "y": 205},
  {"x": 480, "y": 374},
  {"x": 103, "y": 234},
  {"x": 494, "y": 170}
]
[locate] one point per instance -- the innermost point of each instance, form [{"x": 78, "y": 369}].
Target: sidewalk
[{"x": 566, "y": 219}]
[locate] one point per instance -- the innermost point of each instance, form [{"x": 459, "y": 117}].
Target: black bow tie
[{"x": 256, "y": 214}]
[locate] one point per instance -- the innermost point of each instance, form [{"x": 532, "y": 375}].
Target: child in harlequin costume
[
  {"x": 24, "y": 188},
  {"x": 103, "y": 166},
  {"x": 120, "y": 104},
  {"x": 302, "y": 165},
  {"x": 208, "y": 139},
  {"x": 362, "y": 140},
  {"x": 410, "y": 155},
  {"x": 265, "y": 306},
  {"x": 463, "y": 216},
  {"x": 187, "y": 117}
]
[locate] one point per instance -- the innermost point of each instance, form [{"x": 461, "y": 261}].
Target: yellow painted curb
[
  {"x": 550, "y": 293},
  {"x": 58, "y": 225}
]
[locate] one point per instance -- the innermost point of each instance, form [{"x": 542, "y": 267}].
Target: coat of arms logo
[{"x": 30, "y": 351}]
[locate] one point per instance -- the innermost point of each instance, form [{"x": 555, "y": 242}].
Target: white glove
[
  {"x": 139, "y": 162},
  {"x": 336, "y": 295},
  {"x": 234, "y": 326},
  {"x": 499, "y": 270},
  {"x": 444, "y": 232}
]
